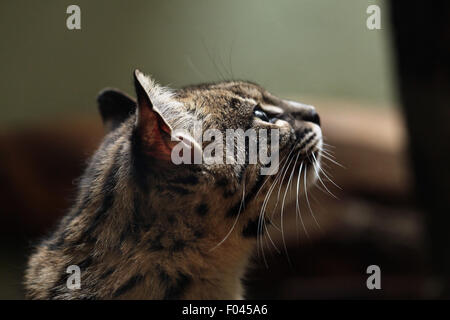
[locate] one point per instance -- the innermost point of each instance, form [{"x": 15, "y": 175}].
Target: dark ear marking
[{"x": 115, "y": 107}]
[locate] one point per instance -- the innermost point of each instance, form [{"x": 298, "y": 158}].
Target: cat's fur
[{"x": 144, "y": 228}]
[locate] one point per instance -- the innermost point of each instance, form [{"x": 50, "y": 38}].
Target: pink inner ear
[
  {"x": 154, "y": 131},
  {"x": 155, "y": 134}
]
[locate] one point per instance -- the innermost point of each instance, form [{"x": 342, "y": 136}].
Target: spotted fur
[{"x": 144, "y": 228}]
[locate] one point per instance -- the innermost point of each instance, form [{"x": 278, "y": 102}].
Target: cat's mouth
[
  {"x": 309, "y": 143},
  {"x": 305, "y": 154}
]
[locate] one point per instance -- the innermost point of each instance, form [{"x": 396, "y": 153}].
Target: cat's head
[{"x": 188, "y": 128}]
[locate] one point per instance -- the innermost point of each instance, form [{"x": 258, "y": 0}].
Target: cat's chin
[{"x": 309, "y": 165}]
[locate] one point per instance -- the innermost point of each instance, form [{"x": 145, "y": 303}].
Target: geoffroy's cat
[{"x": 143, "y": 227}]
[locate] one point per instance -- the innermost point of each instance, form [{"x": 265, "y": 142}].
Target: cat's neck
[{"x": 188, "y": 233}]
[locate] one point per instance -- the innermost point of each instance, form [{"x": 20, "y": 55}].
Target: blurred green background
[{"x": 308, "y": 47}]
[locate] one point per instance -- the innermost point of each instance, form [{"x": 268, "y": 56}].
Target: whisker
[
  {"x": 323, "y": 171},
  {"x": 281, "y": 184},
  {"x": 320, "y": 179},
  {"x": 235, "y": 221},
  {"x": 326, "y": 171},
  {"x": 325, "y": 142},
  {"x": 266, "y": 200},
  {"x": 315, "y": 199},
  {"x": 297, "y": 206},
  {"x": 316, "y": 185},
  {"x": 277, "y": 178},
  {"x": 282, "y": 208},
  {"x": 259, "y": 190},
  {"x": 261, "y": 221},
  {"x": 335, "y": 162},
  {"x": 329, "y": 153},
  {"x": 267, "y": 197},
  {"x": 323, "y": 163},
  {"x": 270, "y": 238},
  {"x": 307, "y": 200}
]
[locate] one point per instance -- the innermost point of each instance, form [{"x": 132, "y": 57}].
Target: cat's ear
[
  {"x": 115, "y": 107},
  {"x": 153, "y": 130},
  {"x": 156, "y": 135}
]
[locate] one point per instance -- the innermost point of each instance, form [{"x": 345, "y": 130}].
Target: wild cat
[{"x": 143, "y": 227}]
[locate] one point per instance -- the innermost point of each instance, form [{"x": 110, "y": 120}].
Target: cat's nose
[
  {"x": 302, "y": 112},
  {"x": 312, "y": 116}
]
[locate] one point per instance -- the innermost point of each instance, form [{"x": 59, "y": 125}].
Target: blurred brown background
[{"x": 383, "y": 96}]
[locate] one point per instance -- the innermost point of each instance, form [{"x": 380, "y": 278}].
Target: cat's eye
[{"x": 259, "y": 113}]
